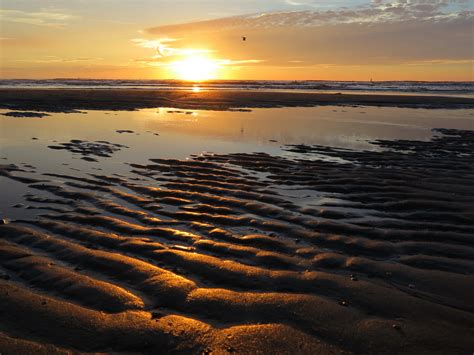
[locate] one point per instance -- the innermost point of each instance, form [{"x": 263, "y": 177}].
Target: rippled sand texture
[{"x": 369, "y": 252}]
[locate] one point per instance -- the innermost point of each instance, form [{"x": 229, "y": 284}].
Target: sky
[{"x": 203, "y": 39}]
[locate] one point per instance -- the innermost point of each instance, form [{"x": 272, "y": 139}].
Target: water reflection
[{"x": 172, "y": 133}]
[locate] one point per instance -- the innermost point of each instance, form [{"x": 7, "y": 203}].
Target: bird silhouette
[{"x": 244, "y": 39}]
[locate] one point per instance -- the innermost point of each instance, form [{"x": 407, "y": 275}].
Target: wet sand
[
  {"x": 212, "y": 254},
  {"x": 60, "y": 100}
]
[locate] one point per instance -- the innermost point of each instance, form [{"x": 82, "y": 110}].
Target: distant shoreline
[{"x": 65, "y": 100}]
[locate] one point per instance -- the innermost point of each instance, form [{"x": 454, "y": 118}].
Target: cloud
[
  {"x": 444, "y": 62},
  {"x": 153, "y": 43},
  {"x": 54, "y": 59},
  {"x": 380, "y": 33},
  {"x": 45, "y": 17},
  {"x": 219, "y": 63},
  {"x": 164, "y": 49},
  {"x": 378, "y": 11}
]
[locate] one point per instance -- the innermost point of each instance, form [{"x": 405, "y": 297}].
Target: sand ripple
[{"x": 244, "y": 253}]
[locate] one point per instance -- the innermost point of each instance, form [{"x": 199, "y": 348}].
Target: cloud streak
[
  {"x": 54, "y": 59},
  {"x": 49, "y": 18},
  {"x": 164, "y": 49},
  {"x": 219, "y": 63}
]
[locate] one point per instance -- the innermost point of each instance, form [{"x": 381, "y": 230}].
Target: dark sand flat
[
  {"x": 210, "y": 254},
  {"x": 60, "y": 100}
]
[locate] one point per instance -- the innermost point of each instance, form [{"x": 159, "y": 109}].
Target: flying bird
[{"x": 244, "y": 39}]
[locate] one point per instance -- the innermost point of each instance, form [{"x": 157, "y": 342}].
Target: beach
[
  {"x": 235, "y": 221},
  {"x": 64, "y": 100}
]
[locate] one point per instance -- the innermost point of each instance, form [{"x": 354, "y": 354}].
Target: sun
[{"x": 195, "y": 69}]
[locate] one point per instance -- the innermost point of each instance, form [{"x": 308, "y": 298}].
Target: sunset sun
[{"x": 195, "y": 69}]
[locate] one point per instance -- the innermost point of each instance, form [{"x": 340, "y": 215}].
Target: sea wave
[{"x": 424, "y": 87}]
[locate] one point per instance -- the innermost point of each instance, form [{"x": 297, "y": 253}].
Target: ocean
[{"x": 401, "y": 87}]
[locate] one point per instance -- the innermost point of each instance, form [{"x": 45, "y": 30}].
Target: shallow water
[{"x": 171, "y": 133}]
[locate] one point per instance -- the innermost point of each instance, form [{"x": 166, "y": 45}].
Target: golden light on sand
[{"x": 196, "y": 68}]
